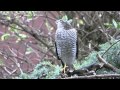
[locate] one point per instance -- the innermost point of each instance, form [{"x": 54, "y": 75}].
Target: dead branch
[
  {"x": 26, "y": 29},
  {"x": 101, "y": 76}
]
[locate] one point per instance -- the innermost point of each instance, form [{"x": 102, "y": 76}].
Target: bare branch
[
  {"x": 27, "y": 30},
  {"x": 101, "y": 76}
]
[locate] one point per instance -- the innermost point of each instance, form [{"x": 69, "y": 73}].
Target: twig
[
  {"x": 101, "y": 76},
  {"x": 89, "y": 34},
  {"x": 45, "y": 55},
  {"x": 110, "y": 47},
  {"x": 15, "y": 61},
  {"x": 106, "y": 64},
  {"x": 7, "y": 70},
  {"x": 10, "y": 73}
]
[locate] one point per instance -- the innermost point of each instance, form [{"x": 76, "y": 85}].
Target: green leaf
[
  {"x": 8, "y": 17},
  {"x": 1, "y": 63},
  {"x": 20, "y": 37},
  {"x": 29, "y": 50},
  {"x": 23, "y": 36},
  {"x": 13, "y": 28},
  {"x": 65, "y": 18},
  {"x": 5, "y": 36},
  {"x": 30, "y": 15},
  {"x": 81, "y": 22},
  {"x": 108, "y": 25},
  {"x": 118, "y": 25},
  {"x": 114, "y": 23}
]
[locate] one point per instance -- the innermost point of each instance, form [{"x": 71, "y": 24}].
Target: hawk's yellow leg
[{"x": 65, "y": 66}]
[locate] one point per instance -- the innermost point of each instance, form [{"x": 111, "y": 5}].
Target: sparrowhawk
[{"x": 66, "y": 43}]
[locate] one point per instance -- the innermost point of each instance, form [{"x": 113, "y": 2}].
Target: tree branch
[
  {"x": 26, "y": 29},
  {"x": 101, "y": 76},
  {"x": 106, "y": 64}
]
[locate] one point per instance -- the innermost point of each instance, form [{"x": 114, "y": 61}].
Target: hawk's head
[
  {"x": 59, "y": 23},
  {"x": 64, "y": 24}
]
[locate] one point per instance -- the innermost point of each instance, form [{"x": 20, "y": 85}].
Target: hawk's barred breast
[{"x": 66, "y": 44}]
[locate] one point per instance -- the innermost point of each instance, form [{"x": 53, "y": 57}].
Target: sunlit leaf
[
  {"x": 1, "y": 63},
  {"x": 14, "y": 28},
  {"x": 5, "y": 36},
  {"x": 81, "y": 22},
  {"x": 65, "y": 18},
  {"x": 29, "y": 15},
  {"x": 108, "y": 25},
  {"x": 114, "y": 23},
  {"x": 48, "y": 25},
  {"x": 23, "y": 36},
  {"x": 8, "y": 17},
  {"x": 29, "y": 50},
  {"x": 118, "y": 25}
]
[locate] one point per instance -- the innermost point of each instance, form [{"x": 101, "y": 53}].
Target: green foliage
[
  {"x": 23, "y": 76},
  {"x": 43, "y": 70},
  {"x": 65, "y": 18},
  {"x": 20, "y": 37},
  {"x": 1, "y": 62},
  {"x": 46, "y": 70},
  {"x": 114, "y": 24},
  {"x": 108, "y": 25},
  {"x": 112, "y": 56},
  {"x": 5, "y": 36},
  {"x": 29, "y": 50},
  {"x": 81, "y": 22},
  {"x": 30, "y": 15},
  {"x": 49, "y": 27},
  {"x": 104, "y": 71},
  {"x": 89, "y": 60},
  {"x": 14, "y": 28}
]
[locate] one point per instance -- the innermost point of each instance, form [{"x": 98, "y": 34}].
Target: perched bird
[{"x": 66, "y": 43}]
